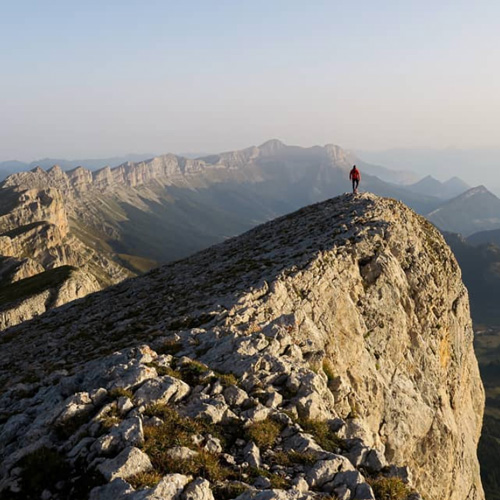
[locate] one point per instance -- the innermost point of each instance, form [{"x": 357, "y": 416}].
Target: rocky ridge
[{"x": 320, "y": 354}]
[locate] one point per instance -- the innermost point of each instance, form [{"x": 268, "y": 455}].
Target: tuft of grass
[
  {"x": 170, "y": 347},
  {"x": 147, "y": 479},
  {"x": 192, "y": 372},
  {"x": 120, "y": 392},
  {"x": 227, "y": 379},
  {"x": 389, "y": 488},
  {"x": 174, "y": 431},
  {"x": 290, "y": 458},
  {"x": 165, "y": 370},
  {"x": 204, "y": 464},
  {"x": 177, "y": 430},
  {"x": 111, "y": 419},
  {"x": 277, "y": 482},
  {"x": 228, "y": 491},
  {"x": 322, "y": 433},
  {"x": 264, "y": 433}
]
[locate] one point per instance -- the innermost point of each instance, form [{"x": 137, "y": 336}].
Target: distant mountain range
[
  {"x": 445, "y": 190},
  {"x": 474, "y": 165},
  {"x": 114, "y": 222},
  {"x": 11, "y": 167}
]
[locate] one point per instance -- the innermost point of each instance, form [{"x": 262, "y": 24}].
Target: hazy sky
[{"x": 100, "y": 78}]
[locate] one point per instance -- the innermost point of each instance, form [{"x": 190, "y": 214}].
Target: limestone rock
[
  {"x": 326, "y": 471},
  {"x": 199, "y": 489},
  {"x": 114, "y": 490},
  {"x": 169, "y": 488},
  {"x": 161, "y": 390},
  {"x": 129, "y": 462}
]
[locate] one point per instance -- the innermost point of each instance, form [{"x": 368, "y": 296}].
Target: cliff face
[
  {"x": 350, "y": 312},
  {"x": 35, "y": 237}
]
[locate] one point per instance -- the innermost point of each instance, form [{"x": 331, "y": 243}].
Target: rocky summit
[{"x": 326, "y": 354}]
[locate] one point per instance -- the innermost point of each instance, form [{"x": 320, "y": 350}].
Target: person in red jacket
[{"x": 355, "y": 177}]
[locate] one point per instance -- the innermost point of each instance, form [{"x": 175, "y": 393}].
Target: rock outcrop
[
  {"x": 36, "y": 244},
  {"x": 327, "y": 352}
]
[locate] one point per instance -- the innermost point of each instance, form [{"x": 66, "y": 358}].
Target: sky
[{"x": 110, "y": 77}]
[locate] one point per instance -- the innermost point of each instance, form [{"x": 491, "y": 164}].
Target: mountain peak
[
  {"x": 474, "y": 210},
  {"x": 477, "y": 190},
  {"x": 271, "y": 146}
]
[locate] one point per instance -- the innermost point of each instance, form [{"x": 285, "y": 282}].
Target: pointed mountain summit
[
  {"x": 456, "y": 186},
  {"x": 432, "y": 187},
  {"x": 428, "y": 185},
  {"x": 271, "y": 147},
  {"x": 475, "y": 210},
  {"x": 340, "y": 333}
]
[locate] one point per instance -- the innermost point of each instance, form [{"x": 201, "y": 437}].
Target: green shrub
[
  {"x": 110, "y": 419},
  {"x": 204, "y": 464},
  {"x": 174, "y": 431}
]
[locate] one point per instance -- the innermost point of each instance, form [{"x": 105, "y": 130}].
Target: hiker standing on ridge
[{"x": 355, "y": 177}]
